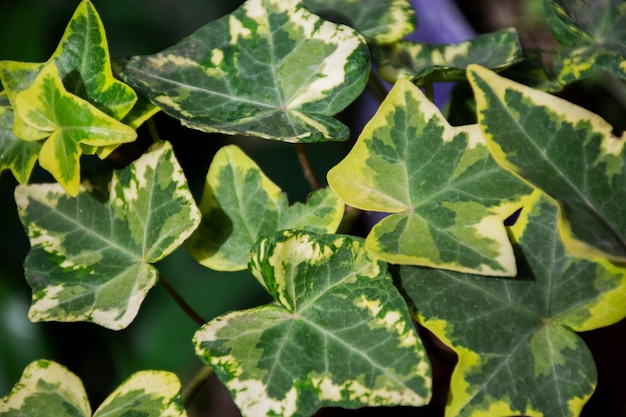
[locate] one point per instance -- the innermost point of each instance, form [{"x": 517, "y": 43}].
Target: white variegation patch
[
  {"x": 237, "y": 30},
  {"x": 252, "y": 399}
]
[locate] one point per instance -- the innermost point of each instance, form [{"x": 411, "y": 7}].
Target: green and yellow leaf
[
  {"x": 90, "y": 256},
  {"x": 427, "y": 63},
  {"x": 380, "y": 21},
  {"x": 270, "y": 69},
  {"x": 340, "y": 335},
  {"x": 518, "y": 353},
  {"x": 448, "y": 196},
  {"x": 240, "y": 204},
  {"x": 566, "y": 151}
]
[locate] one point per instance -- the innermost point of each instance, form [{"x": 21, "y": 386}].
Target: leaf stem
[
  {"x": 306, "y": 167},
  {"x": 196, "y": 383},
  {"x": 181, "y": 302},
  {"x": 154, "y": 132},
  {"x": 376, "y": 86}
]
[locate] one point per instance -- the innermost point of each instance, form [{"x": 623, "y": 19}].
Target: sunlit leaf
[
  {"x": 518, "y": 353},
  {"x": 70, "y": 121},
  {"x": 566, "y": 151},
  {"x": 380, "y": 21},
  {"x": 240, "y": 204},
  {"x": 270, "y": 69},
  {"x": 592, "y": 35},
  {"x": 90, "y": 256},
  {"x": 448, "y": 195},
  {"x": 426, "y": 63},
  {"x": 340, "y": 334}
]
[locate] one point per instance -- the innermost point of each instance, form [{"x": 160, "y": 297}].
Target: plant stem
[
  {"x": 181, "y": 302},
  {"x": 154, "y": 132},
  {"x": 196, "y": 383},
  {"x": 306, "y": 167},
  {"x": 376, "y": 86}
]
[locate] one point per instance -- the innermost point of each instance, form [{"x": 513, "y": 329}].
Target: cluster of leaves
[{"x": 507, "y": 300}]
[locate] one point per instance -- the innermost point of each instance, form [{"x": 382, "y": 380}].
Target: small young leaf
[
  {"x": 90, "y": 255},
  {"x": 240, "y": 204},
  {"x": 270, "y": 69},
  {"x": 380, "y": 21},
  {"x": 340, "y": 335},
  {"x": 518, "y": 353},
  {"x": 427, "y": 63},
  {"x": 70, "y": 121},
  {"x": 46, "y": 388},
  {"x": 449, "y": 196},
  {"x": 592, "y": 35},
  {"x": 566, "y": 151}
]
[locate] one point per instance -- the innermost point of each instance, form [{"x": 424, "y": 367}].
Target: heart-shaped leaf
[
  {"x": 90, "y": 255},
  {"x": 47, "y": 388},
  {"x": 592, "y": 35},
  {"x": 449, "y": 196},
  {"x": 428, "y": 63},
  {"x": 270, "y": 69},
  {"x": 340, "y": 335},
  {"x": 240, "y": 204},
  {"x": 70, "y": 122},
  {"x": 380, "y": 21},
  {"x": 517, "y": 350},
  {"x": 563, "y": 149}
]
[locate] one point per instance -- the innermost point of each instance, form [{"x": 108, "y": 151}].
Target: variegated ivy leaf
[
  {"x": 90, "y": 256},
  {"x": 240, "y": 204},
  {"x": 70, "y": 123},
  {"x": 47, "y": 388},
  {"x": 340, "y": 334},
  {"x": 448, "y": 195},
  {"x": 17, "y": 155},
  {"x": 518, "y": 353},
  {"x": 270, "y": 69},
  {"x": 566, "y": 151},
  {"x": 592, "y": 36},
  {"x": 380, "y": 21},
  {"x": 82, "y": 58},
  {"x": 428, "y": 63}
]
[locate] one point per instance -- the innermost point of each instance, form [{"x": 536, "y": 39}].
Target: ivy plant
[{"x": 502, "y": 235}]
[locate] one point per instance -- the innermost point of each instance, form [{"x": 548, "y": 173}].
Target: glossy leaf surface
[
  {"x": 270, "y": 69},
  {"x": 592, "y": 36},
  {"x": 566, "y": 151},
  {"x": 340, "y": 334},
  {"x": 518, "y": 352},
  {"x": 426, "y": 63},
  {"x": 380, "y": 21},
  {"x": 90, "y": 255},
  {"x": 240, "y": 204},
  {"x": 448, "y": 195}
]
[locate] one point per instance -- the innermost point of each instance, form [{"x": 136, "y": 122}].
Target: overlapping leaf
[
  {"x": 592, "y": 35},
  {"x": 380, "y": 21},
  {"x": 270, "y": 69},
  {"x": 449, "y": 196},
  {"x": 17, "y": 155},
  {"x": 90, "y": 255},
  {"x": 518, "y": 353},
  {"x": 426, "y": 63},
  {"x": 70, "y": 122},
  {"x": 340, "y": 334},
  {"x": 47, "y": 388},
  {"x": 240, "y": 204},
  {"x": 566, "y": 151}
]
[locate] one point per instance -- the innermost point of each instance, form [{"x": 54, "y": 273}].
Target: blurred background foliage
[{"x": 160, "y": 337}]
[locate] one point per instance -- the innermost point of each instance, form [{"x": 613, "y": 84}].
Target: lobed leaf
[
  {"x": 592, "y": 36},
  {"x": 448, "y": 196},
  {"x": 269, "y": 69},
  {"x": 340, "y": 334},
  {"x": 380, "y": 21},
  {"x": 428, "y": 63},
  {"x": 563, "y": 149},
  {"x": 90, "y": 256},
  {"x": 517, "y": 350},
  {"x": 240, "y": 204}
]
